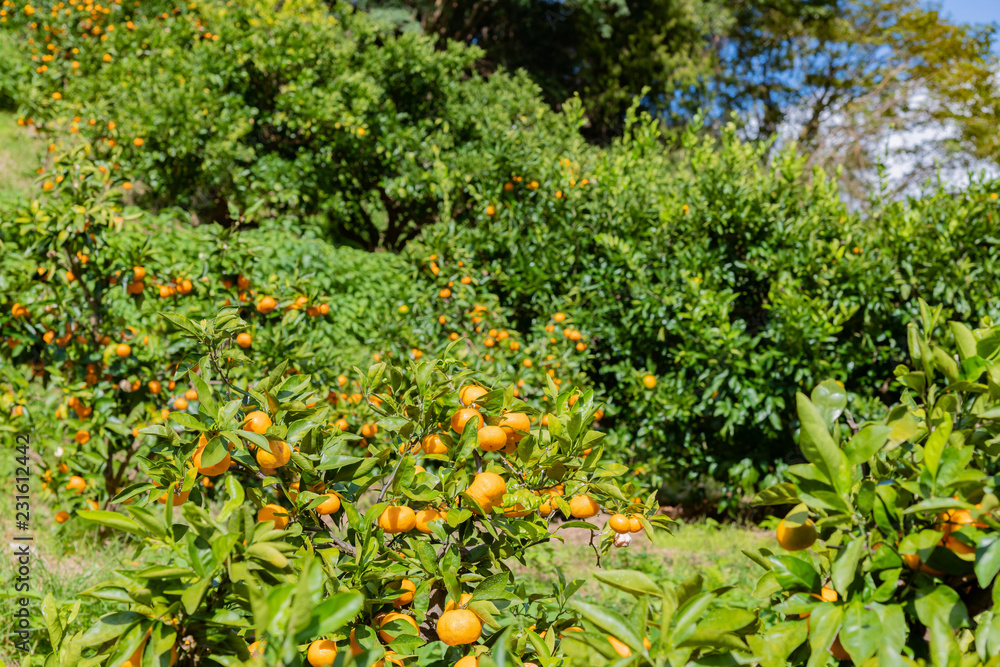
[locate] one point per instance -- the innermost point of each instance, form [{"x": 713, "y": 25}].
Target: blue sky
[{"x": 972, "y": 11}]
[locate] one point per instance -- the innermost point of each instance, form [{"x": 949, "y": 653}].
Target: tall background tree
[{"x": 855, "y": 83}]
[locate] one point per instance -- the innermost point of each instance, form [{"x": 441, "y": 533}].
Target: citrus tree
[
  {"x": 894, "y": 537},
  {"x": 301, "y": 540}
]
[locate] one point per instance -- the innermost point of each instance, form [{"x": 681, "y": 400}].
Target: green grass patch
[{"x": 20, "y": 155}]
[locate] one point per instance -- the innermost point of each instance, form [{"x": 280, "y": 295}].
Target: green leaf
[
  {"x": 818, "y": 446},
  {"x": 491, "y": 588},
  {"x": 795, "y": 574},
  {"x": 845, "y": 567},
  {"x": 110, "y": 626},
  {"x": 785, "y": 493},
  {"x": 194, "y": 594},
  {"x": 964, "y": 340},
  {"x": 987, "y": 560},
  {"x": 936, "y": 443},
  {"x": 268, "y": 554},
  {"x": 866, "y": 443},
  {"x": 830, "y": 398},
  {"x": 205, "y": 398},
  {"x": 610, "y": 622},
  {"x": 941, "y": 603},
  {"x": 630, "y": 581},
  {"x": 112, "y": 520},
  {"x": 861, "y": 631}
]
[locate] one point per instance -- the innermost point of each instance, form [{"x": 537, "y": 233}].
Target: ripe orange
[
  {"x": 469, "y": 394},
  {"x": 270, "y": 512},
  {"x": 342, "y": 424},
  {"x": 516, "y": 512},
  {"x": 445, "y": 293},
  {"x": 406, "y": 588},
  {"x": 450, "y": 604},
  {"x": 559, "y": 317},
  {"x": 369, "y": 430},
  {"x": 469, "y": 661},
  {"x": 491, "y": 438},
  {"x": 154, "y": 387},
  {"x": 458, "y": 627},
  {"x": 185, "y": 287},
  {"x": 634, "y": 525},
  {"x": 82, "y": 437},
  {"x": 76, "y": 483},
  {"x": 209, "y": 471},
  {"x": 123, "y": 350},
  {"x": 180, "y": 404},
  {"x": 425, "y": 516},
  {"x": 649, "y": 381},
  {"x": 620, "y": 523},
  {"x": 180, "y": 497},
  {"x": 796, "y": 536},
  {"x": 191, "y": 395},
  {"x": 583, "y": 506},
  {"x": 462, "y": 417},
  {"x": 436, "y": 444},
  {"x": 914, "y": 563},
  {"x": 322, "y": 653},
  {"x": 397, "y": 519},
  {"x": 62, "y": 516},
  {"x": 280, "y": 454},
  {"x": 329, "y": 506},
  {"x": 393, "y": 616},
  {"x": 266, "y": 305},
  {"x": 258, "y": 422},
  {"x": 257, "y": 648},
  {"x": 516, "y": 425},
  {"x": 244, "y": 340},
  {"x": 489, "y": 484}
]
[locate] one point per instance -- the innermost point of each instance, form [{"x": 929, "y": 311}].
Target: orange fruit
[
  {"x": 620, "y": 648},
  {"x": 76, "y": 483},
  {"x": 397, "y": 519},
  {"x": 244, "y": 340},
  {"x": 583, "y": 506},
  {"x": 469, "y": 660},
  {"x": 559, "y": 317},
  {"x": 620, "y": 523},
  {"x": 458, "y": 627},
  {"x": 516, "y": 425},
  {"x": 649, "y": 381},
  {"x": 280, "y": 454},
  {"x": 450, "y": 604},
  {"x": 393, "y": 616},
  {"x": 369, "y": 430},
  {"x": 257, "y": 648},
  {"x": 123, "y": 350},
  {"x": 329, "y": 506},
  {"x": 322, "y": 653},
  {"x": 180, "y": 497},
  {"x": 796, "y": 536},
  {"x": 489, "y": 484},
  {"x": 257, "y": 421},
  {"x": 266, "y": 305},
  {"x": 82, "y": 437},
  {"x": 634, "y": 525},
  {"x": 180, "y": 404},
  {"x": 270, "y": 512},
  {"x": 462, "y": 417},
  {"x": 154, "y": 387},
  {"x": 436, "y": 444},
  {"x": 191, "y": 395},
  {"x": 425, "y": 516},
  {"x": 491, "y": 438},
  {"x": 470, "y": 393},
  {"x": 914, "y": 563},
  {"x": 516, "y": 511},
  {"x": 209, "y": 471},
  {"x": 62, "y": 516},
  {"x": 407, "y": 589}
]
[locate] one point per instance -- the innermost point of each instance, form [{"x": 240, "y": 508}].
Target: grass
[
  {"x": 65, "y": 559},
  {"x": 705, "y": 548},
  {"x": 20, "y": 154}
]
